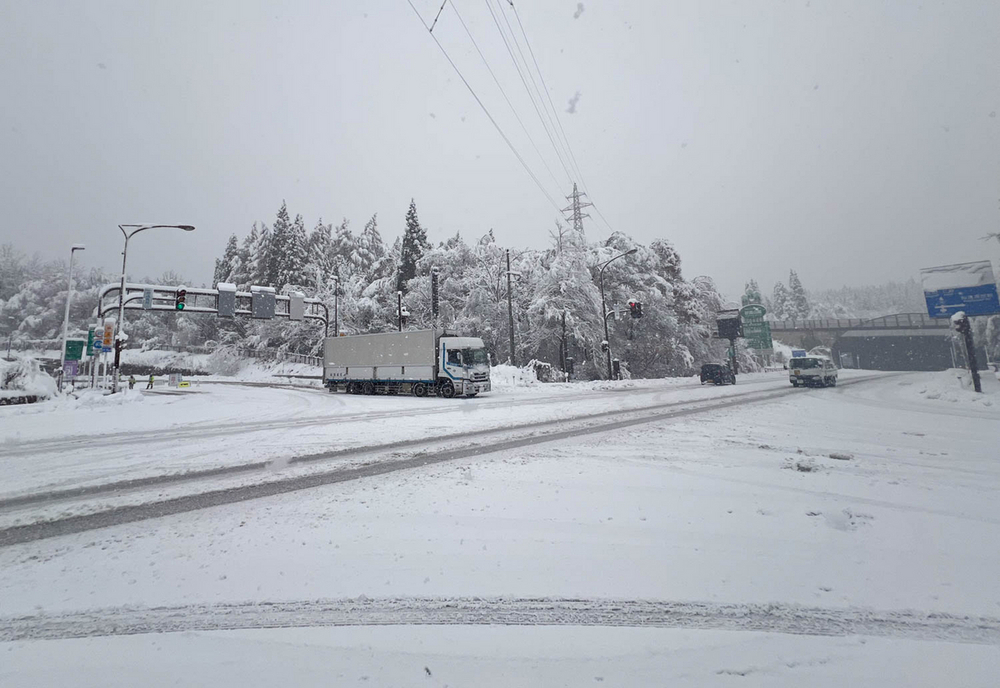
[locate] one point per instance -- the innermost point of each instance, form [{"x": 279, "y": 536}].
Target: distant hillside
[{"x": 867, "y": 302}]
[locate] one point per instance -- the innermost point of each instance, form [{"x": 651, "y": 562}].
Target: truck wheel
[
  {"x": 419, "y": 389},
  {"x": 368, "y": 388},
  {"x": 833, "y": 382},
  {"x": 447, "y": 390},
  {"x": 795, "y": 383}
]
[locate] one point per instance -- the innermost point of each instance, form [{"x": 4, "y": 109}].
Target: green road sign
[
  {"x": 90, "y": 340},
  {"x": 756, "y": 331},
  {"x": 74, "y": 349}
]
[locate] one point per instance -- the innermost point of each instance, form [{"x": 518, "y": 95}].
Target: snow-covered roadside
[{"x": 224, "y": 425}]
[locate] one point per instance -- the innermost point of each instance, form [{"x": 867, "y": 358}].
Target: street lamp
[
  {"x": 604, "y": 312},
  {"x": 121, "y": 295},
  {"x": 69, "y": 295}
]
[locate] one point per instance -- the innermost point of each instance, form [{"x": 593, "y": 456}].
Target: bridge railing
[{"x": 895, "y": 321}]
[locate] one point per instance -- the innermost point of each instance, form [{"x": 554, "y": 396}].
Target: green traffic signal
[{"x": 180, "y": 298}]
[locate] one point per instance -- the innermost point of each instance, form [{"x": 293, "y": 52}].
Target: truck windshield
[
  {"x": 474, "y": 357},
  {"x": 805, "y": 363}
]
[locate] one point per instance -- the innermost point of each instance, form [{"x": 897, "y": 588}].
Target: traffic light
[
  {"x": 180, "y": 298},
  {"x": 635, "y": 309}
]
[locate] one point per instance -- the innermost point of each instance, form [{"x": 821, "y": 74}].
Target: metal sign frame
[{"x": 163, "y": 300}]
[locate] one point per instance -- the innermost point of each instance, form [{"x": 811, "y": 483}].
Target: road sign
[
  {"x": 968, "y": 287},
  {"x": 262, "y": 302},
  {"x": 728, "y": 324},
  {"x": 798, "y": 353},
  {"x": 183, "y": 383},
  {"x": 74, "y": 349},
  {"x": 90, "y": 340},
  {"x": 147, "y": 298},
  {"x": 71, "y": 368},
  {"x": 227, "y": 300},
  {"x": 755, "y": 329}
]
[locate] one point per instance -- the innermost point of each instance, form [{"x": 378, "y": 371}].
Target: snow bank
[
  {"x": 505, "y": 376},
  {"x": 24, "y": 377},
  {"x": 955, "y": 386}
]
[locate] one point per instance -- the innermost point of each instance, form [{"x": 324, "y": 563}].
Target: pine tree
[
  {"x": 780, "y": 302},
  {"x": 226, "y": 266},
  {"x": 751, "y": 294},
  {"x": 414, "y": 246},
  {"x": 798, "y": 303},
  {"x": 292, "y": 259},
  {"x": 245, "y": 270},
  {"x": 274, "y": 243},
  {"x": 264, "y": 273}
]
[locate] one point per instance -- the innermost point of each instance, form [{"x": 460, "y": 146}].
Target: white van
[{"x": 814, "y": 371}]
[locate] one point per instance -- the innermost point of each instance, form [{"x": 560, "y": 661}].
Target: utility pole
[
  {"x": 510, "y": 313},
  {"x": 964, "y": 328},
  {"x": 562, "y": 348},
  {"x": 399, "y": 310}
]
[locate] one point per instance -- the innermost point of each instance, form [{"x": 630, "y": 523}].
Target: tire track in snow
[
  {"x": 177, "y": 505},
  {"x": 764, "y": 618},
  {"x": 199, "y": 431},
  {"x": 131, "y": 484}
]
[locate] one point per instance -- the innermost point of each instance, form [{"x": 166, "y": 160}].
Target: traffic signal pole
[{"x": 604, "y": 309}]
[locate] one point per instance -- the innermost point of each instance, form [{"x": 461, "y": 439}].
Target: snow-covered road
[{"x": 866, "y": 512}]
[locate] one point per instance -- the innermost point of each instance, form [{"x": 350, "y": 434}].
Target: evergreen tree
[
  {"x": 780, "y": 302},
  {"x": 292, "y": 259},
  {"x": 264, "y": 273},
  {"x": 798, "y": 303},
  {"x": 413, "y": 248},
  {"x": 244, "y": 272},
  {"x": 277, "y": 265},
  {"x": 751, "y": 294},
  {"x": 226, "y": 266}
]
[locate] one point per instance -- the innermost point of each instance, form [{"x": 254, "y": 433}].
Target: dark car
[{"x": 718, "y": 374}]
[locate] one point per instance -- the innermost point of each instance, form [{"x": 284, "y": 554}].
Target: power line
[
  {"x": 504, "y": 93},
  {"x": 527, "y": 68},
  {"x": 527, "y": 89},
  {"x": 493, "y": 121},
  {"x": 548, "y": 95},
  {"x": 556, "y": 114}
]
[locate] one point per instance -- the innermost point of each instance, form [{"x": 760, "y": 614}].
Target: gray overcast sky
[{"x": 853, "y": 141}]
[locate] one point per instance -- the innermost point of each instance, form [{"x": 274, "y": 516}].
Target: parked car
[
  {"x": 718, "y": 374},
  {"x": 814, "y": 371}
]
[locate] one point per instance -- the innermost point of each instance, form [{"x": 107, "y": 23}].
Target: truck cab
[
  {"x": 813, "y": 371},
  {"x": 463, "y": 366}
]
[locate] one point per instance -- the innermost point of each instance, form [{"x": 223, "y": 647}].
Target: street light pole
[
  {"x": 604, "y": 308},
  {"x": 399, "y": 310},
  {"x": 69, "y": 296},
  {"x": 336, "y": 306},
  {"x": 121, "y": 294}
]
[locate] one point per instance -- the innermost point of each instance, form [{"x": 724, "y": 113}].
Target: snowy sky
[{"x": 853, "y": 141}]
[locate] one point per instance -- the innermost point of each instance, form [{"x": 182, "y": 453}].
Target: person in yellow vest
[
  {"x": 131, "y": 381},
  {"x": 149, "y": 385}
]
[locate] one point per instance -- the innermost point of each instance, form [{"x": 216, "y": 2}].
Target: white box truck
[{"x": 418, "y": 362}]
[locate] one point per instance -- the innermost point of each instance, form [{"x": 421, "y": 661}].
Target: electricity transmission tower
[{"x": 576, "y": 209}]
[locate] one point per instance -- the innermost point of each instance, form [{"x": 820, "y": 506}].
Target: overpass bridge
[{"x": 901, "y": 341}]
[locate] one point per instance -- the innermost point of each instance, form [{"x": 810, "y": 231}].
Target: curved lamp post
[
  {"x": 69, "y": 295},
  {"x": 135, "y": 229},
  {"x": 604, "y": 311}
]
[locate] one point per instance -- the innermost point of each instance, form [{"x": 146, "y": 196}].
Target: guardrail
[{"x": 896, "y": 321}]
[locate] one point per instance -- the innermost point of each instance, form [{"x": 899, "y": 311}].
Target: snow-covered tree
[
  {"x": 413, "y": 247},
  {"x": 226, "y": 266},
  {"x": 779, "y": 306},
  {"x": 798, "y": 303},
  {"x": 751, "y": 294}
]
